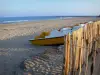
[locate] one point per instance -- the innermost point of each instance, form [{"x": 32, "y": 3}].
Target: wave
[
  {"x": 16, "y": 21},
  {"x": 65, "y": 17}
]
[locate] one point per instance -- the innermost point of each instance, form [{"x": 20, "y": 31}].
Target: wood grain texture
[{"x": 79, "y": 46}]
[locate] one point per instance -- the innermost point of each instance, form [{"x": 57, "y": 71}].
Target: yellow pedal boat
[
  {"x": 55, "y": 37},
  {"x": 42, "y": 40},
  {"x": 48, "y": 41}
]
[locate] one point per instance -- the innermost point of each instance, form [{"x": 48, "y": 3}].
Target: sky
[{"x": 49, "y": 8}]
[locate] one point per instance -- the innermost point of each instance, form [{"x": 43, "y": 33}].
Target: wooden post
[
  {"x": 94, "y": 54},
  {"x": 81, "y": 51},
  {"x": 67, "y": 54},
  {"x": 86, "y": 43},
  {"x": 73, "y": 53}
]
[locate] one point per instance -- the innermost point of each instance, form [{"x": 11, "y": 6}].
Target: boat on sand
[
  {"x": 55, "y": 37},
  {"x": 48, "y": 41}
]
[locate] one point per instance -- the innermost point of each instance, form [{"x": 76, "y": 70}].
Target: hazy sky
[{"x": 49, "y": 7}]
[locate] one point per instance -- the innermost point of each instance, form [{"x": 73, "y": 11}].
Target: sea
[{"x": 7, "y": 20}]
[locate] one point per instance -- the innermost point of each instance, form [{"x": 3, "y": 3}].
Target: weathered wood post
[{"x": 67, "y": 54}]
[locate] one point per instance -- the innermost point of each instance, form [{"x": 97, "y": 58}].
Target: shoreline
[
  {"x": 58, "y": 18},
  {"x": 8, "y": 31}
]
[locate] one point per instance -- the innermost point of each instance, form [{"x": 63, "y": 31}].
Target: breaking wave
[{"x": 4, "y": 22}]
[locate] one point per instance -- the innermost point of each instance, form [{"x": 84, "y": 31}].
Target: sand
[
  {"x": 14, "y": 44},
  {"x": 8, "y": 31}
]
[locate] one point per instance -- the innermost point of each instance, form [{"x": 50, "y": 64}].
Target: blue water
[{"x": 5, "y": 20}]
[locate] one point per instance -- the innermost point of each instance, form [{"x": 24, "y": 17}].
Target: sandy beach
[
  {"x": 8, "y": 31},
  {"x": 15, "y": 47}
]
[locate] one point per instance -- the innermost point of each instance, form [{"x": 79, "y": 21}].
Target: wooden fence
[{"x": 79, "y": 46}]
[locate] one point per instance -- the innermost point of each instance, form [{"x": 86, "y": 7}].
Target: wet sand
[{"x": 14, "y": 51}]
